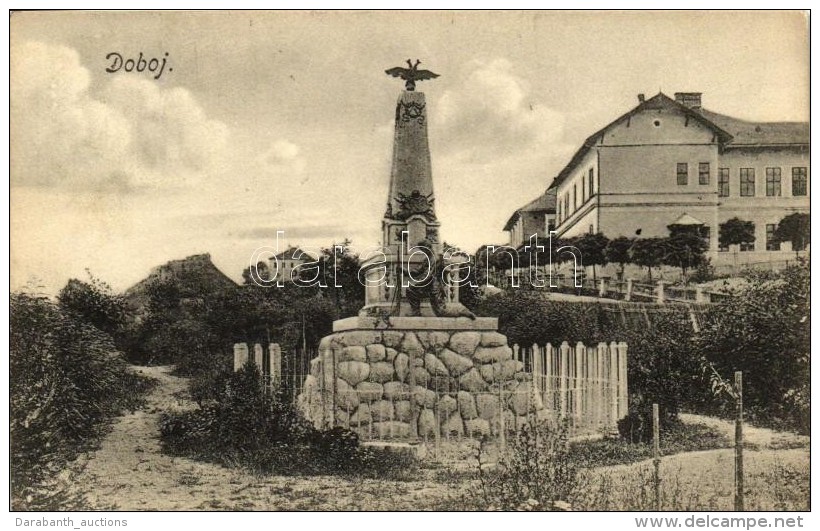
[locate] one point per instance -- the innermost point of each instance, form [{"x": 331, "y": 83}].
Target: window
[
  {"x": 574, "y": 197},
  {"x": 566, "y": 206},
  {"x": 591, "y": 182},
  {"x": 706, "y": 234},
  {"x": 703, "y": 173},
  {"x": 683, "y": 173},
  {"x": 591, "y": 229},
  {"x": 772, "y": 182},
  {"x": 748, "y": 246},
  {"x": 771, "y": 244},
  {"x": 723, "y": 182},
  {"x": 799, "y": 181},
  {"x": 747, "y": 182},
  {"x": 583, "y": 190}
]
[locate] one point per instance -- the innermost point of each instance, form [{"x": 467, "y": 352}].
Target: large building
[
  {"x": 668, "y": 159},
  {"x": 536, "y": 217}
]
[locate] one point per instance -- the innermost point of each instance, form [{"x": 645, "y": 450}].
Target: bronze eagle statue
[{"x": 411, "y": 75}]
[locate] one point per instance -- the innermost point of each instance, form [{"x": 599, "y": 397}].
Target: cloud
[
  {"x": 132, "y": 134},
  {"x": 283, "y": 156},
  {"x": 294, "y": 231},
  {"x": 491, "y": 114}
]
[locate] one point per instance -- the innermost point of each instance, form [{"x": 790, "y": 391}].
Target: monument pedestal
[{"x": 410, "y": 378}]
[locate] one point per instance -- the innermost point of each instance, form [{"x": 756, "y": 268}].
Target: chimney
[
  {"x": 689, "y": 99},
  {"x": 641, "y": 98}
]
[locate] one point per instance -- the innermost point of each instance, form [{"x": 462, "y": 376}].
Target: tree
[
  {"x": 648, "y": 253},
  {"x": 736, "y": 232},
  {"x": 619, "y": 251},
  {"x": 261, "y": 269},
  {"x": 593, "y": 250},
  {"x": 764, "y": 330},
  {"x": 685, "y": 247},
  {"x": 794, "y": 228},
  {"x": 341, "y": 267},
  {"x": 94, "y": 303}
]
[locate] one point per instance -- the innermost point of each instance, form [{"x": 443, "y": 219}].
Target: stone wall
[{"x": 406, "y": 384}]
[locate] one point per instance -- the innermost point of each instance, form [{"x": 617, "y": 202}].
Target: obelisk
[
  {"x": 410, "y": 200},
  {"x": 387, "y": 373}
]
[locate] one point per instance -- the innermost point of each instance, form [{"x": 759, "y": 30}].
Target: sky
[{"x": 282, "y": 121}]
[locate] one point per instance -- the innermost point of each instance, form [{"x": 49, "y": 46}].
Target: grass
[{"x": 677, "y": 439}]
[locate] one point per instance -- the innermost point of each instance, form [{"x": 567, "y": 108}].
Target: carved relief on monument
[
  {"x": 415, "y": 204},
  {"x": 412, "y": 110}
]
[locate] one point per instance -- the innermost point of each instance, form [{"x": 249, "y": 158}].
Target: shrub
[
  {"x": 244, "y": 425},
  {"x": 763, "y": 329},
  {"x": 67, "y": 380},
  {"x": 537, "y": 472}
]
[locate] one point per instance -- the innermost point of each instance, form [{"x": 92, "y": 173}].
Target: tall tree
[
  {"x": 648, "y": 253},
  {"x": 619, "y": 251},
  {"x": 685, "y": 247},
  {"x": 593, "y": 250},
  {"x": 794, "y": 228}
]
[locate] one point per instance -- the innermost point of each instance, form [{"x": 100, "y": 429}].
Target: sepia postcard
[{"x": 410, "y": 261}]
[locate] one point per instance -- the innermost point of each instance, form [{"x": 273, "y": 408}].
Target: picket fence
[{"x": 585, "y": 386}]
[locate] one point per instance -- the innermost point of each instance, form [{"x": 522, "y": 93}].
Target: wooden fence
[
  {"x": 587, "y": 385},
  {"x": 268, "y": 360},
  {"x": 628, "y": 289}
]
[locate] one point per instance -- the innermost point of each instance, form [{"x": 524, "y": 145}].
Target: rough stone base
[{"x": 422, "y": 377}]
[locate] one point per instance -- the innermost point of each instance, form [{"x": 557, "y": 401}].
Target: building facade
[
  {"x": 536, "y": 217},
  {"x": 668, "y": 158}
]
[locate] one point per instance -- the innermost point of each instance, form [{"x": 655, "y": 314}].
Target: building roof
[
  {"x": 292, "y": 252},
  {"x": 543, "y": 203},
  {"x": 760, "y": 133},
  {"x": 686, "y": 219},
  {"x": 732, "y": 132}
]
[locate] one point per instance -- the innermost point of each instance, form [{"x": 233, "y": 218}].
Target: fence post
[
  {"x": 656, "y": 452},
  {"x": 275, "y": 360},
  {"x": 240, "y": 355},
  {"x": 536, "y": 369},
  {"x": 739, "y": 442},
  {"x": 563, "y": 370},
  {"x": 623, "y": 381},
  {"x": 602, "y": 287},
  {"x": 257, "y": 356},
  {"x": 614, "y": 384},
  {"x": 699, "y": 295},
  {"x": 628, "y": 294},
  {"x": 661, "y": 296},
  {"x": 502, "y": 444},
  {"x": 411, "y": 381},
  {"x": 546, "y": 389},
  {"x": 322, "y": 388},
  {"x": 335, "y": 389}
]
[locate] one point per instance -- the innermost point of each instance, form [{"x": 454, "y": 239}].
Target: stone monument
[{"x": 390, "y": 372}]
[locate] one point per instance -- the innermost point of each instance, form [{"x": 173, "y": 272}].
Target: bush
[
  {"x": 763, "y": 329},
  {"x": 67, "y": 380},
  {"x": 537, "y": 472},
  {"x": 243, "y": 425}
]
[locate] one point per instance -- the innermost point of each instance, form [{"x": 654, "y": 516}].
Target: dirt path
[
  {"x": 704, "y": 480},
  {"x": 754, "y": 437},
  {"x": 128, "y": 472}
]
